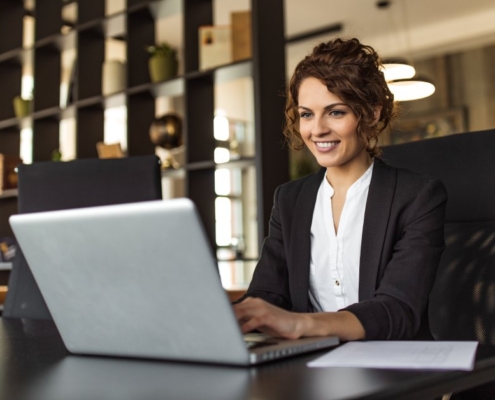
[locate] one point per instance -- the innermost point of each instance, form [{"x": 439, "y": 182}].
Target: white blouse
[{"x": 334, "y": 267}]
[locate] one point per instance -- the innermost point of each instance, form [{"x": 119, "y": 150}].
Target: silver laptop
[{"x": 140, "y": 280}]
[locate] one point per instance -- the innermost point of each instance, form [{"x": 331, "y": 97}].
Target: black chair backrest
[
  {"x": 47, "y": 186},
  {"x": 462, "y": 303}
]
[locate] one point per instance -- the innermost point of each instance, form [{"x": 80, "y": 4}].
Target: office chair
[
  {"x": 462, "y": 302},
  {"x": 47, "y": 186}
]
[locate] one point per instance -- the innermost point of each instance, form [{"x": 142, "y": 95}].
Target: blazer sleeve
[
  {"x": 402, "y": 293},
  {"x": 270, "y": 278}
]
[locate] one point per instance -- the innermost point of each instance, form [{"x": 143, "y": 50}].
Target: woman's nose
[{"x": 319, "y": 127}]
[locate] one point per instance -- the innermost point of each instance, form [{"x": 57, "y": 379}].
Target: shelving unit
[{"x": 193, "y": 95}]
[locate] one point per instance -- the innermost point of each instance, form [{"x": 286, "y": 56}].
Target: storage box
[
  {"x": 8, "y": 174},
  {"x": 214, "y": 46},
  {"x": 241, "y": 35}
]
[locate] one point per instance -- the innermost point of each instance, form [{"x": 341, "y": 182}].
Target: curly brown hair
[{"x": 350, "y": 70}]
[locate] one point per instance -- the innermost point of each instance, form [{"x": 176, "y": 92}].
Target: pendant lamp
[
  {"x": 397, "y": 68},
  {"x": 411, "y": 89},
  {"x": 400, "y": 75}
]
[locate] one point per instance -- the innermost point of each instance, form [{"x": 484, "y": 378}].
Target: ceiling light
[
  {"x": 411, "y": 89},
  {"x": 399, "y": 74},
  {"x": 397, "y": 69}
]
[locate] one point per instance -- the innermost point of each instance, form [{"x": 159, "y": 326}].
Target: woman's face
[{"x": 328, "y": 126}]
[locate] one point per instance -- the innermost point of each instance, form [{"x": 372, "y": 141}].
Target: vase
[
  {"x": 21, "y": 106},
  {"x": 162, "y": 68},
  {"x": 113, "y": 79}
]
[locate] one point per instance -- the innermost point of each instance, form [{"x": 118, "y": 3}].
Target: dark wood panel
[
  {"x": 10, "y": 84},
  {"x": 48, "y": 14},
  {"x": 199, "y": 113},
  {"x": 10, "y": 141},
  {"x": 140, "y": 33},
  {"x": 201, "y": 190},
  {"x": 140, "y": 114},
  {"x": 269, "y": 81},
  {"x": 47, "y": 69},
  {"x": 88, "y": 10},
  {"x": 8, "y": 206},
  {"x": 91, "y": 54},
  {"x": 196, "y": 14},
  {"x": 90, "y": 130},
  {"x": 11, "y": 15},
  {"x": 45, "y": 138}
]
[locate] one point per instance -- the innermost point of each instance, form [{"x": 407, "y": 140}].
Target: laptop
[{"x": 140, "y": 280}]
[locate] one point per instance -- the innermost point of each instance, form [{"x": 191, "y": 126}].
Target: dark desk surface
[{"x": 34, "y": 364}]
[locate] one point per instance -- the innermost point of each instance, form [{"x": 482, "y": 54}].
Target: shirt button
[{"x": 337, "y": 283}]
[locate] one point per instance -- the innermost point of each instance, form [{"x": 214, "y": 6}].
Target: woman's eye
[
  {"x": 305, "y": 115},
  {"x": 337, "y": 113}
]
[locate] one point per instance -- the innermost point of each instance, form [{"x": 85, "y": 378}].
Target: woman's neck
[{"x": 343, "y": 176}]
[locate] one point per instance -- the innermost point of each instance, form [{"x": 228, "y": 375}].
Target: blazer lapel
[
  {"x": 376, "y": 218},
  {"x": 300, "y": 242}
]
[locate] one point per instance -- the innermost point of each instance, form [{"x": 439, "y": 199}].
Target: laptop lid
[
  {"x": 47, "y": 186},
  {"x": 136, "y": 280}
]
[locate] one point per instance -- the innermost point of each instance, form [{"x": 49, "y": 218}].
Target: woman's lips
[{"x": 327, "y": 146}]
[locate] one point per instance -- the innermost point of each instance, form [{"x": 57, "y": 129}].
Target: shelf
[
  {"x": 243, "y": 162},
  {"x": 8, "y": 193},
  {"x": 179, "y": 173},
  {"x": 10, "y": 123},
  {"x": 5, "y": 266},
  {"x": 199, "y": 165},
  {"x": 195, "y": 95},
  {"x": 16, "y": 54},
  {"x": 52, "y": 112}
]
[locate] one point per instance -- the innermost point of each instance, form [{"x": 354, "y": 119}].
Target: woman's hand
[{"x": 254, "y": 313}]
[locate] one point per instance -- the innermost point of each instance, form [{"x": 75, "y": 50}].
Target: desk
[{"x": 34, "y": 365}]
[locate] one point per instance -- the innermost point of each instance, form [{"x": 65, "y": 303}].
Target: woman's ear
[{"x": 378, "y": 110}]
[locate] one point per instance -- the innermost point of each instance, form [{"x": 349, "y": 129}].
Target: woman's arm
[
  {"x": 255, "y": 313},
  {"x": 404, "y": 285}
]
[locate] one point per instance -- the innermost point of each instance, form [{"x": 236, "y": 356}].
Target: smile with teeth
[{"x": 326, "y": 145}]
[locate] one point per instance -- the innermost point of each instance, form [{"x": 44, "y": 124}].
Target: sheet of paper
[{"x": 401, "y": 355}]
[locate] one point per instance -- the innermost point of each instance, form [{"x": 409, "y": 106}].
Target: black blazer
[{"x": 403, "y": 239}]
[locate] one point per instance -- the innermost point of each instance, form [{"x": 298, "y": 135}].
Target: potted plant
[
  {"x": 22, "y": 106},
  {"x": 163, "y": 62}
]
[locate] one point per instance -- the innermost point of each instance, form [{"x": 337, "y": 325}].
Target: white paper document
[{"x": 401, "y": 355}]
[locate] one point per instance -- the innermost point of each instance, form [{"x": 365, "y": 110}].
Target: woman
[{"x": 353, "y": 249}]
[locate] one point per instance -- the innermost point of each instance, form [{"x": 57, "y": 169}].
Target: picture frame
[{"x": 438, "y": 123}]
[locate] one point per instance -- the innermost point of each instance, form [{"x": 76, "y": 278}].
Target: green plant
[{"x": 163, "y": 49}]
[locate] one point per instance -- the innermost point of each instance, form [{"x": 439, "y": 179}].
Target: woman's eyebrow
[{"x": 329, "y": 107}]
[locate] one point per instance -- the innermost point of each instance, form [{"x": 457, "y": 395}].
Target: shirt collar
[{"x": 361, "y": 184}]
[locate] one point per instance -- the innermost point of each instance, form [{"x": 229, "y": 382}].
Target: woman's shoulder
[
  {"x": 406, "y": 174},
  {"x": 307, "y": 182},
  {"x": 410, "y": 180}
]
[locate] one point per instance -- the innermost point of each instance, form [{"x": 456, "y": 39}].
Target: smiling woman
[{"x": 353, "y": 249}]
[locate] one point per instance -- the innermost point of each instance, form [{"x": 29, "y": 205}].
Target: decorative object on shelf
[
  {"x": 238, "y": 246},
  {"x": 8, "y": 173},
  {"x": 56, "y": 155},
  {"x": 112, "y": 150},
  {"x": 166, "y": 132},
  {"x": 113, "y": 77},
  {"x": 163, "y": 63},
  {"x": 215, "y": 44},
  {"x": 241, "y": 35},
  {"x": 8, "y": 246},
  {"x": 22, "y": 107}
]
